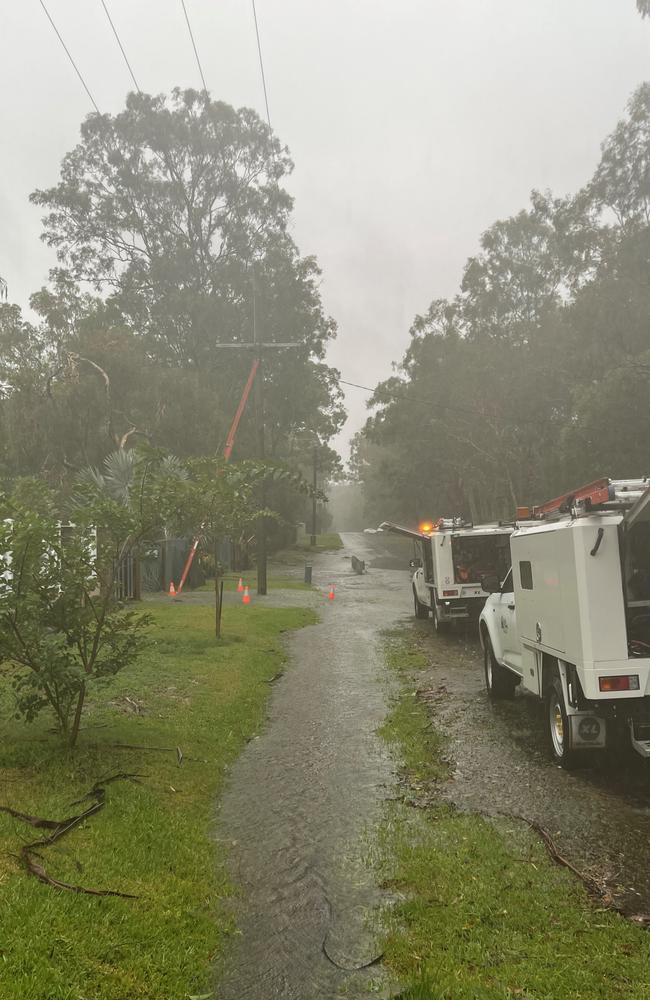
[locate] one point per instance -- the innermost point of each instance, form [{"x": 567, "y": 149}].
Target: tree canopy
[
  {"x": 535, "y": 376},
  {"x": 171, "y": 225}
]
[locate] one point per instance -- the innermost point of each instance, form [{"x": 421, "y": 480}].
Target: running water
[{"x": 303, "y": 798}]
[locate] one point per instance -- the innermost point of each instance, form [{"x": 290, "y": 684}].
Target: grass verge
[
  {"x": 275, "y": 581},
  {"x": 152, "y": 839},
  {"x": 481, "y": 913},
  {"x": 327, "y": 542}
]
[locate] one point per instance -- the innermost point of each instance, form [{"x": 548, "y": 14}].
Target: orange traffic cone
[
  {"x": 240, "y": 585},
  {"x": 246, "y": 599},
  {"x": 172, "y": 589},
  {"x": 331, "y": 594}
]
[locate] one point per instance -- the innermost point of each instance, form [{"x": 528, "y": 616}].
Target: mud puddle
[
  {"x": 305, "y": 796},
  {"x": 598, "y": 817}
]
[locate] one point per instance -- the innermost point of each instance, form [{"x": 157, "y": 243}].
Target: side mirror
[
  {"x": 415, "y": 564},
  {"x": 490, "y": 583}
]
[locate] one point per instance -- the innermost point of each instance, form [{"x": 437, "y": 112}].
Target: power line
[
  {"x": 259, "y": 52},
  {"x": 67, "y": 52},
  {"x": 198, "y": 61},
  {"x": 415, "y": 399},
  {"x": 118, "y": 40},
  {"x": 449, "y": 408}
]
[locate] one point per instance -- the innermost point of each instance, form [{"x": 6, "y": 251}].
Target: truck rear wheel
[
  {"x": 421, "y": 610},
  {"x": 559, "y": 728},
  {"x": 499, "y": 681}
]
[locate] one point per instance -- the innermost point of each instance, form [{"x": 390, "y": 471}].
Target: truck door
[
  {"x": 424, "y": 574},
  {"x": 510, "y": 651}
]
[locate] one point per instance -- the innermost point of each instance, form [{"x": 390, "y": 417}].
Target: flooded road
[
  {"x": 304, "y": 796},
  {"x": 598, "y": 816}
]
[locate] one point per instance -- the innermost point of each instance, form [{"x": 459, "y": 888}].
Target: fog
[{"x": 413, "y": 126}]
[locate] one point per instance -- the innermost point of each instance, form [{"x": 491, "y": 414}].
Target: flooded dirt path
[
  {"x": 303, "y": 797},
  {"x": 598, "y": 816}
]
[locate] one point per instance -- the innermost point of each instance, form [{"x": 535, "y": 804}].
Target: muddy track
[
  {"x": 598, "y": 816},
  {"x": 303, "y": 798}
]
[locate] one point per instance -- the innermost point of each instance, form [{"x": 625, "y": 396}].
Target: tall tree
[{"x": 170, "y": 222}]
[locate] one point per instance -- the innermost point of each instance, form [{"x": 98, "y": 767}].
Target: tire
[
  {"x": 500, "y": 683},
  {"x": 558, "y": 729},
  {"x": 421, "y": 610},
  {"x": 440, "y": 627}
]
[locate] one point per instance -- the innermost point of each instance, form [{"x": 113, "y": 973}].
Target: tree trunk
[
  {"x": 217, "y": 593},
  {"x": 74, "y": 732}
]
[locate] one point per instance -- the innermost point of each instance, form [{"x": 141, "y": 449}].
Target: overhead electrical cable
[
  {"x": 259, "y": 52},
  {"x": 198, "y": 61},
  {"x": 408, "y": 396},
  {"x": 415, "y": 399},
  {"x": 69, "y": 55},
  {"x": 119, "y": 42}
]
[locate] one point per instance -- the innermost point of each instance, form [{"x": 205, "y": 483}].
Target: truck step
[{"x": 642, "y": 747}]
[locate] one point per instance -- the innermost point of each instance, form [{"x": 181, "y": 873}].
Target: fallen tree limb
[
  {"x": 594, "y": 889},
  {"x": 60, "y": 828}
]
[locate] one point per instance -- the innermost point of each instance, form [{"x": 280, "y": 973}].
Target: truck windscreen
[{"x": 475, "y": 556}]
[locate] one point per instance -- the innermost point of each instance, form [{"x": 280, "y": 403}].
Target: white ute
[
  {"x": 571, "y": 620},
  {"x": 452, "y": 558}
]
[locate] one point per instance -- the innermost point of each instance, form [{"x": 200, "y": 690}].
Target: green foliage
[
  {"x": 173, "y": 213},
  {"x": 63, "y": 627},
  {"x": 535, "y": 376}
]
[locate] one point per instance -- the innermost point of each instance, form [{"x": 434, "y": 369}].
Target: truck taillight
[
  {"x": 450, "y": 593},
  {"x": 626, "y": 682}
]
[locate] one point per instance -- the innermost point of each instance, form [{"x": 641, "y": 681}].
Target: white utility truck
[
  {"x": 452, "y": 556},
  {"x": 571, "y": 620}
]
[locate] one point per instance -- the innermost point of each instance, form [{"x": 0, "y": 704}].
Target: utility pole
[
  {"x": 256, "y": 378},
  {"x": 312, "y": 540},
  {"x": 261, "y": 448}
]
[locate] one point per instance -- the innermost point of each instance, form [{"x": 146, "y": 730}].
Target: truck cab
[{"x": 570, "y": 623}]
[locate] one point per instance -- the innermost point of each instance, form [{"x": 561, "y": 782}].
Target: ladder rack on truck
[
  {"x": 603, "y": 494},
  {"x": 571, "y": 621},
  {"x": 452, "y": 557}
]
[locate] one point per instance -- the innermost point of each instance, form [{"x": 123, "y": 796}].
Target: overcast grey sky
[{"x": 414, "y": 124}]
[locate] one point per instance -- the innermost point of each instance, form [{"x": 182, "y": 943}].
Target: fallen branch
[
  {"x": 594, "y": 889},
  {"x": 60, "y": 828}
]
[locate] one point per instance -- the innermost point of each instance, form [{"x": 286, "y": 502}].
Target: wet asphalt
[{"x": 305, "y": 796}]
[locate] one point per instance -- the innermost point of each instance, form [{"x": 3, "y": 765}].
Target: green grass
[
  {"x": 153, "y": 839},
  {"x": 481, "y": 912},
  {"x": 327, "y": 542},
  {"x": 275, "y": 581}
]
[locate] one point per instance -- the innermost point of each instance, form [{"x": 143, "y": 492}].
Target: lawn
[
  {"x": 327, "y": 542},
  {"x": 154, "y": 839},
  {"x": 481, "y": 912},
  {"x": 275, "y": 581}
]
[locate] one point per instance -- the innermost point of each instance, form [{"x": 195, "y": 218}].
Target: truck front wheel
[
  {"x": 438, "y": 625},
  {"x": 421, "y": 610},
  {"x": 499, "y": 681},
  {"x": 559, "y": 728}
]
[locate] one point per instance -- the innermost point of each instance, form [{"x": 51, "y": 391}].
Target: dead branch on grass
[{"x": 60, "y": 828}]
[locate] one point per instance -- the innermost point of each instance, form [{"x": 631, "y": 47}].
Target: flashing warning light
[
  {"x": 172, "y": 589},
  {"x": 450, "y": 593},
  {"x": 624, "y": 682},
  {"x": 246, "y": 599},
  {"x": 426, "y": 527},
  {"x": 332, "y": 593},
  {"x": 240, "y": 586}
]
